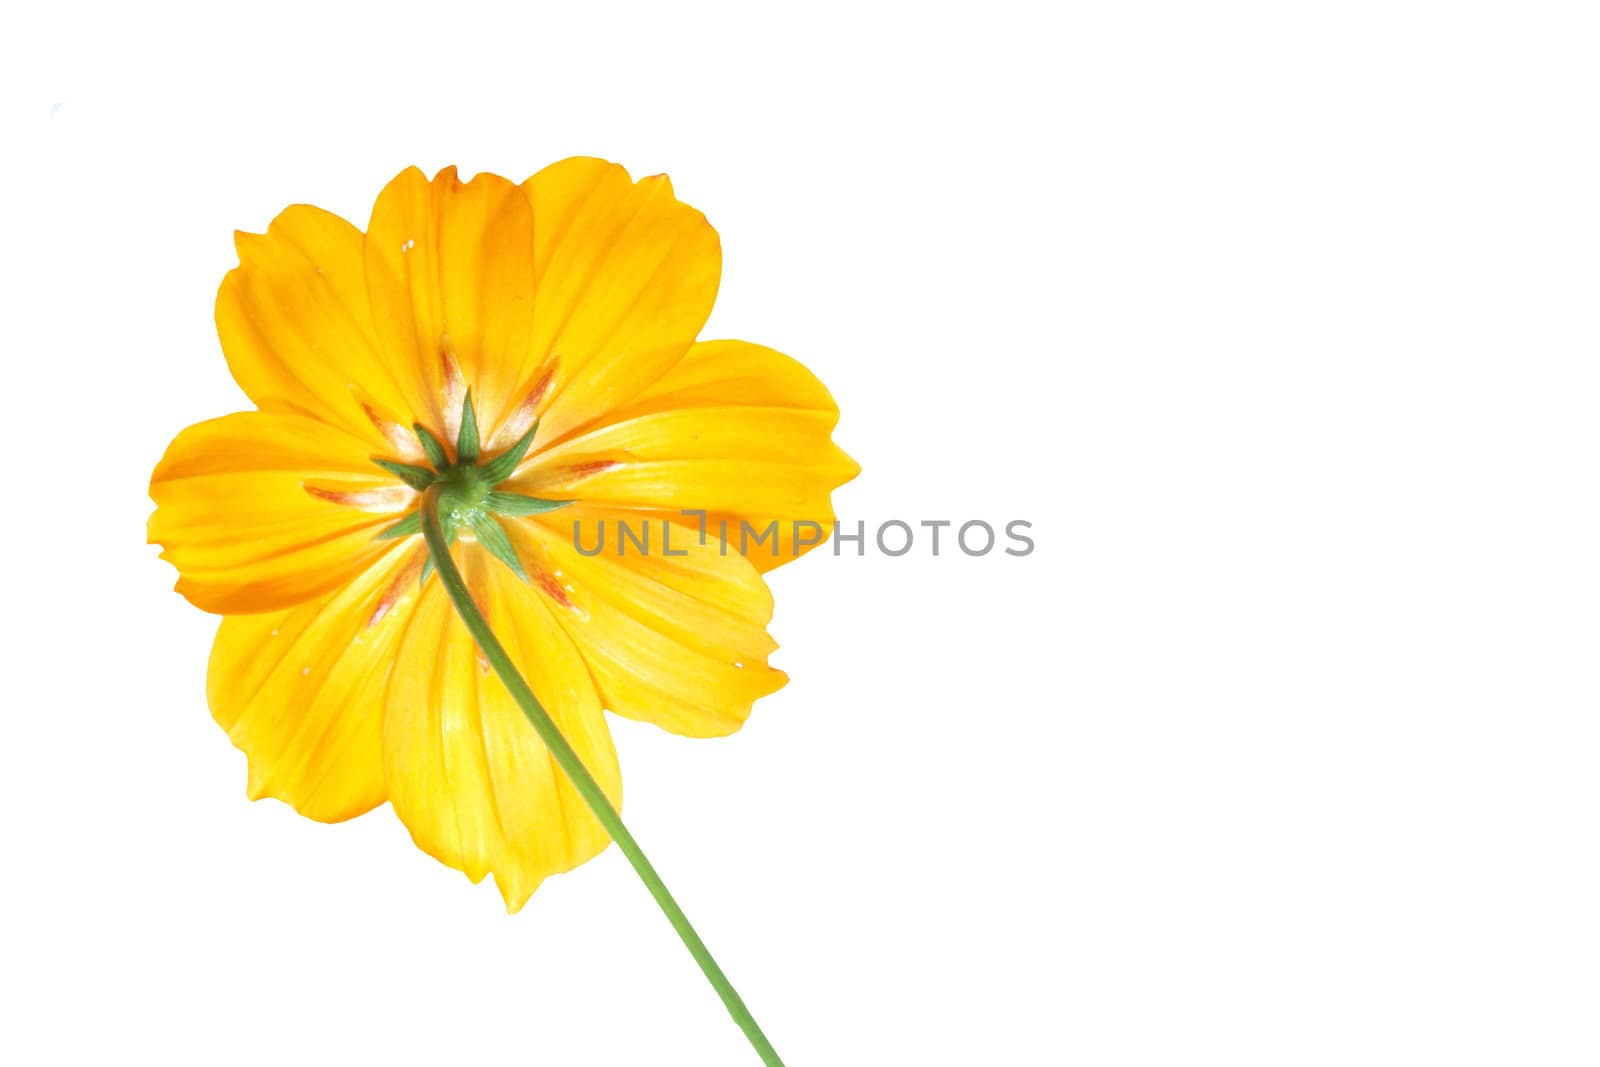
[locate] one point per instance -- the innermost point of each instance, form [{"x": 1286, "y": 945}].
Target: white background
[{"x": 1277, "y": 321}]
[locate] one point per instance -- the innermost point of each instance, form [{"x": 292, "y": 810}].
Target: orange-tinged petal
[
  {"x": 450, "y": 275},
  {"x": 736, "y": 430},
  {"x": 675, "y": 636},
  {"x": 625, "y": 277},
  {"x": 301, "y": 692},
  {"x": 261, "y": 511},
  {"x": 295, "y": 326},
  {"x": 466, "y": 772}
]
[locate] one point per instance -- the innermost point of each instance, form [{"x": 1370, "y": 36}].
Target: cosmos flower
[{"x": 529, "y": 354}]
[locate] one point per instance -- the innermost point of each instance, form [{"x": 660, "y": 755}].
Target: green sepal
[
  {"x": 432, "y": 446},
  {"x": 411, "y": 524},
  {"x": 501, "y": 467},
  {"x": 418, "y": 478},
  {"x": 467, "y": 437},
  {"x": 492, "y": 535},
  {"x": 517, "y": 504}
]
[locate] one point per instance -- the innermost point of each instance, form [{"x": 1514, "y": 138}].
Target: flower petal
[
  {"x": 625, "y": 277},
  {"x": 301, "y": 692},
  {"x": 674, "y": 636},
  {"x": 255, "y": 510},
  {"x": 450, "y": 275},
  {"x": 466, "y": 772},
  {"x": 295, "y": 326},
  {"x": 736, "y": 430}
]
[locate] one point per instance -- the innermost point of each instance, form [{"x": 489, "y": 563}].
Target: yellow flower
[{"x": 568, "y": 306}]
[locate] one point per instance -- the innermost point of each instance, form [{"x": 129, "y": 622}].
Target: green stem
[{"x": 581, "y": 779}]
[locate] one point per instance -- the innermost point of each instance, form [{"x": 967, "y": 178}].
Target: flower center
[
  {"x": 463, "y": 493},
  {"x": 468, "y": 499}
]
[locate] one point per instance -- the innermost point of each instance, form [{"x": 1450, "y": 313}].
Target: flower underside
[
  {"x": 468, "y": 499},
  {"x": 576, "y": 298}
]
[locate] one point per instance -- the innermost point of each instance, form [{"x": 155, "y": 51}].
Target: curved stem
[{"x": 582, "y": 780}]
